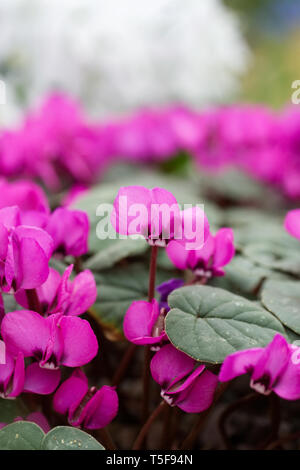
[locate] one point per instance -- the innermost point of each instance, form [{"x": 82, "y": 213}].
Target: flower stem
[
  {"x": 78, "y": 264},
  {"x": 167, "y": 425},
  {"x": 121, "y": 371},
  {"x": 275, "y": 421},
  {"x": 228, "y": 411},
  {"x": 152, "y": 273},
  {"x": 189, "y": 441},
  {"x": 143, "y": 432},
  {"x": 33, "y": 300},
  {"x": 290, "y": 437},
  {"x": 147, "y": 354},
  {"x": 106, "y": 439}
]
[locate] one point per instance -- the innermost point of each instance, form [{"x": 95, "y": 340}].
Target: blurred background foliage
[{"x": 272, "y": 28}]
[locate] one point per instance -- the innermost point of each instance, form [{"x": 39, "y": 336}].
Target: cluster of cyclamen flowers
[
  {"x": 46, "y": 332},
  {"x": 185, "y": 382},
  {"x": 58, "y": 146}
]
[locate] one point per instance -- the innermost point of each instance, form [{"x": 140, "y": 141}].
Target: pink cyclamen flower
[
  {"x": 84, "y": 406},
  {"x": 152, "y": 213},
  {"x": 273, "y": 368},
  {"x": 69, "y": 230},
  {"x": 184, "y": 383},
  {"x": 15, "y": 379},
  {"x": 27, "y": 195},
  {"x": 24, "y": 252},
  {"x": 60, "y": 294},
  {"x": 292, "y": 223},
  {"x": 52, "y": 341},
  {"x": 144, "y": 323},
  {"x": 209, "y": 260}
]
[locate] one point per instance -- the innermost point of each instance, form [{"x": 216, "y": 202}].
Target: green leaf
[
  {"x": 276, "y": 255},
  {"x": 235, "y": 186},
  {"x": 112, "y": 251},
  {"x": 245, "y": 277},
  {"x": 118, "y": 288},
  {"x": 283, "y": 299},
  {"x": 208, "y": 323},
  {"x": 68, "y": 438},
  {"x": 21, "y": 435}
]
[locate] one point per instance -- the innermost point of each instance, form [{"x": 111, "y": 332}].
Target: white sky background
[{"x": 118, "y": 55}]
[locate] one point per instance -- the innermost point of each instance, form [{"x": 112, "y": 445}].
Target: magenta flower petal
[
  {"x": 239, "y": 363},
  {"x": 102, "y": 408},
  {"x": 77, "y": 296},
  {"x": 69, "y": 230},
  {"x": 148, "y": 212},
  {"x": 40, "y": 380},
  {"x": 10, "y": 217},
  {"x": 292, "y": 223},
  {"x": 165, "y": 213},
  {"x": 224, "y": 247},
  {"x": 25, "y": 331},
  {"x": 19, "y": 376},
  {"x": 3, "y": 242},
  {"x": 178, "y": 254},
  {"x": 80, "y": 342},
  {"x": 288, "y": 383},
  {"x": 170, "y": 365},
  {"x": 139, "y": 323},
  {"x": 7, "y": 367},
  {"x": 272, "y": 368},
  {"x": 272, "y": 361},
  {"x": 31, "y": 263},
  {"x": 69, "y": 395},
  {"x": 200, "y": 393},
  {"x": 124, "y": 209},
  {"x": 39, "y": 235},
  {"x": 26, "y": 195},
  {"x": 2, "y": 352},
  {"x": 195, "y": 228}
]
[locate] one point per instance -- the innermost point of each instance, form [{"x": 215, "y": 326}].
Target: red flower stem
[
  {"x": 121, "y": 371},
  {"x": 106, "y": 439},
  {"x": 278, "y": 444},
  {"x": 144, "y": 431},
  {"x": 228, "y": 411},
  {"x": 167, "y": 425},
  {"x": 147, "y": 354},
  {"x": 33, "y": 300},
  {"x": 275, "y": 416},
  {"x": 189, "y": 441},
  {"x": 152, "y": 273},
  {"x": 78, "y": 264}
]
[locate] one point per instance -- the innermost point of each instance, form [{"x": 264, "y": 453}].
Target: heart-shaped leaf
[
  {"x": 68, "y": 438},
  {"x": 21, "y": 435},
  {"x": 208, "y": 323},
  {"x": 283, "y": 299}
]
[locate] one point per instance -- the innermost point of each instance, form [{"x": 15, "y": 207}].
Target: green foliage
[
  {"x": 208, "y": 323},
  {"x": 24, "y": 435}
]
